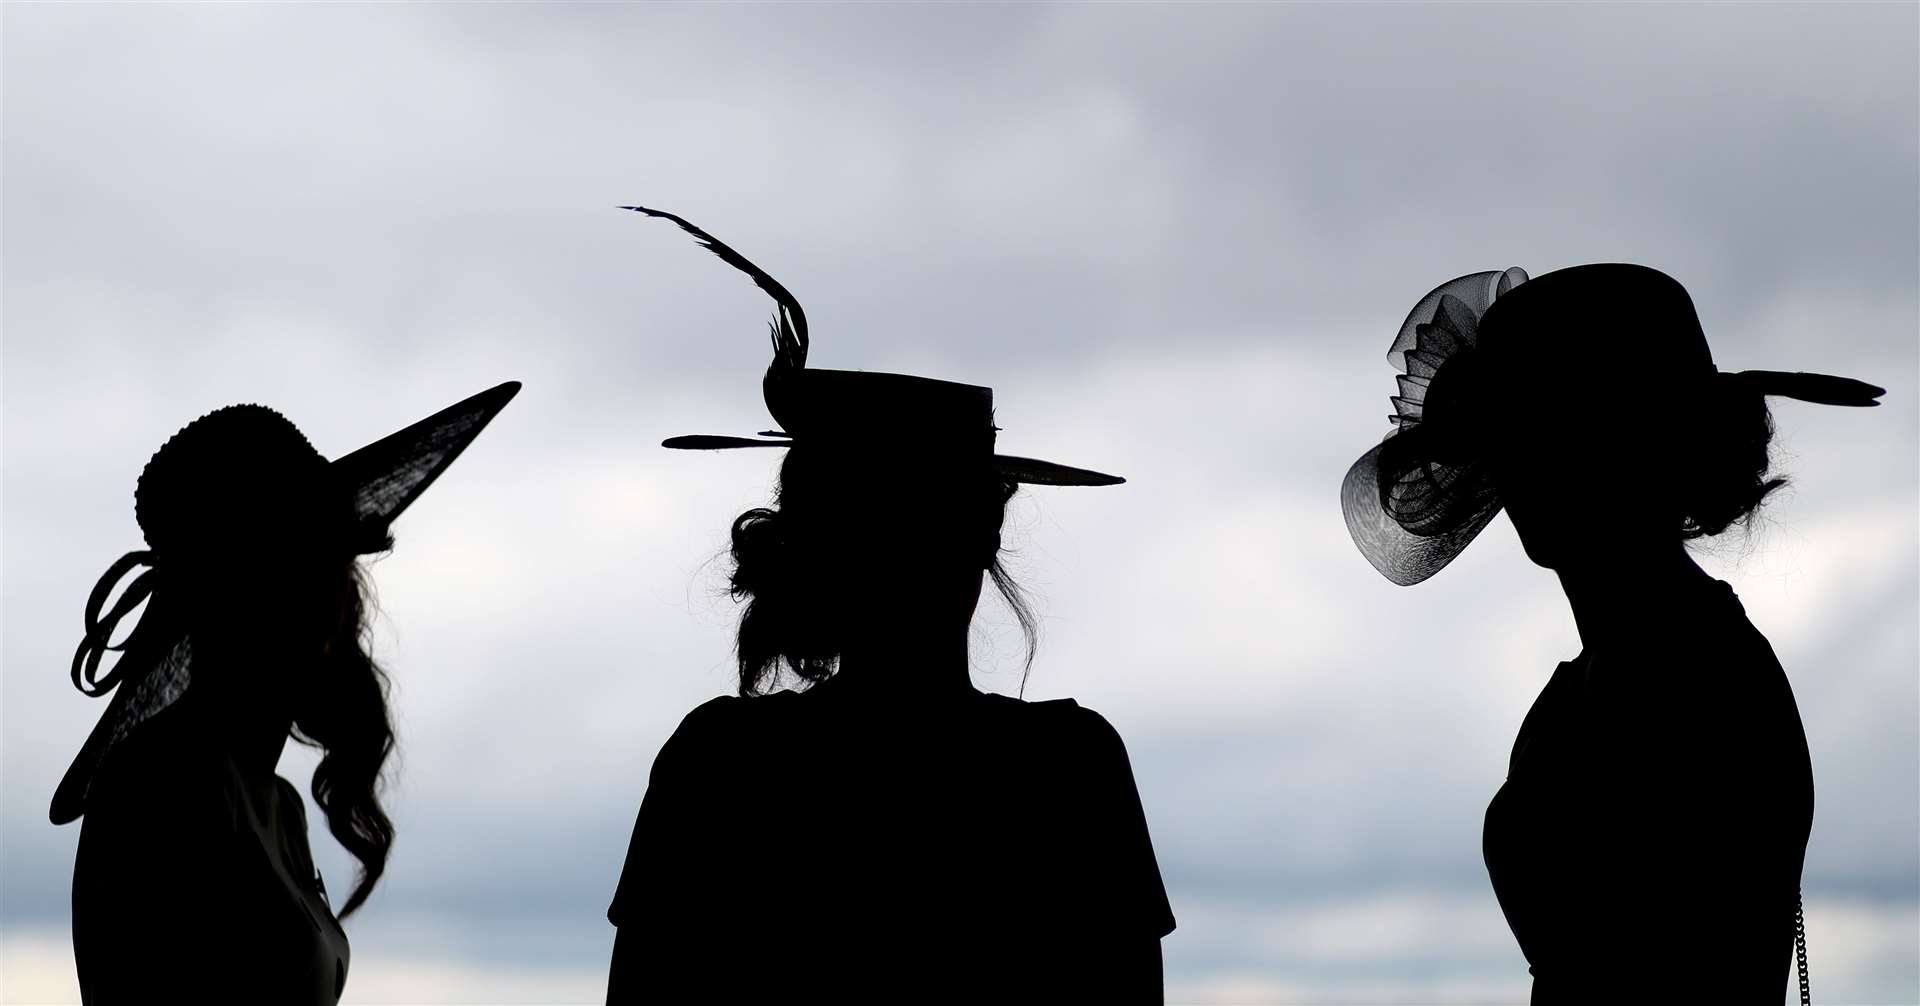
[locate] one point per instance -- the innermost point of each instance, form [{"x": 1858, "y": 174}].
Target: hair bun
[
  {"x": 1724, "y": 472},
  {"x": 759, "y": 544}
]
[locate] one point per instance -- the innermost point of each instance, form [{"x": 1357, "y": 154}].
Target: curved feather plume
[{"x": 789, "y": 325}]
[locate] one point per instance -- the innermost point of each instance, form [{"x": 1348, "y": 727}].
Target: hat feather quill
[
  {"x": 1820, "y": 389},
  {"x": 789, "y": 325}
]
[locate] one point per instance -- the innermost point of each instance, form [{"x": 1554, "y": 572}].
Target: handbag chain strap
[{"x": 1800, "y": 947}]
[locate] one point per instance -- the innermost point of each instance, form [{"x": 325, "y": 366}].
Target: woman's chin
[{"x": 1541, "y": 555}]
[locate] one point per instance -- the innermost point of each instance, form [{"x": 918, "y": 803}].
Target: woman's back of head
[{"x": 859, "y": 544}]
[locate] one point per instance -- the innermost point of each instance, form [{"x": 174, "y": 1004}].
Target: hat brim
[
  {"x": 1400, "y": 555},
  {"x": 137, "y": 698},
  {"x": 1026, "y": 471},
  {"x": 386, "y": 476}
]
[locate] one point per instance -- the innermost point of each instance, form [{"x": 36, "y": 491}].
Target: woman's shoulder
[
  {"x": 715, "y": 724},
  {"x": 167, "y": 761},
  {"x": 1065, "y": 713},
  {"x": 725, "y": 713},
  {"x": 1704, "y": 672},
  {"x": 728, "y": 721},
  {"x": 1060, "y": 724},
  {"x": 169, "y": 795},
  {"x": 1707, "y": 643}
]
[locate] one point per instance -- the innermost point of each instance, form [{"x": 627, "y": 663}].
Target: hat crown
[
  {"x": 852, "y": 406},
  {"x": 237, "y": 464},
  {"x": 1614, "y": 324}
]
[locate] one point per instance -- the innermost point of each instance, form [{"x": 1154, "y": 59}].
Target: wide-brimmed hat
[
  {"x": 1417, "y": 499},
  {"x": 865, "y": 411},
  {"x": 241, "y": 476}
]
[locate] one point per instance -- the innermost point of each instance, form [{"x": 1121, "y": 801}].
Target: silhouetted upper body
[
  {"x": 972, "y": 848},
  {"x": 193, "y": 878},
  {"x": 1647, "y": 844},
  {"x": 884, "y": 830},
  {"x": 193, "y": 881}
]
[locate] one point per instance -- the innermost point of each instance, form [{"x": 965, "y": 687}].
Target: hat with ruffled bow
[{"x": 1586, "y": 338}]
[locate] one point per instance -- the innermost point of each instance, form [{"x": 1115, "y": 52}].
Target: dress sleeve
[
  {"x": 1128, "y": 889},
  {"x": 669, "y": 817},
  {"x": 665, "y": 941}
]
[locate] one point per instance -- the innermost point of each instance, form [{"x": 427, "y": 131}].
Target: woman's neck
[
  {"x": 924, "y": 663},
  {"x": 1614, "y": 590},
  {"x": 251, "y": 725}
]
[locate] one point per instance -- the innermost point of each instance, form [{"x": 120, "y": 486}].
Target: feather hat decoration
[{"x": 864, "y": 409}]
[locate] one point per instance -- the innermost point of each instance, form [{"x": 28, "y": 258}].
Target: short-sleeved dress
[
  {"x": 800, "y": 844},
  {"x": 1648, "y": 842},
  {"x": 194, "y": 884}
]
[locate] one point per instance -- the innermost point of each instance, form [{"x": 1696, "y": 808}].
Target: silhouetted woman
[
  {"x": 1648, "y": 842},
  {"x": 193, "y": 881},
  {"x": 883, "y": 829}
]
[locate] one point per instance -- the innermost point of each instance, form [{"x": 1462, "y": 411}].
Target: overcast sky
[{"x": 1176, "y": 241}]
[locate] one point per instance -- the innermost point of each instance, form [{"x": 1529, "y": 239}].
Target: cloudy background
[{"x": 1177, "y": 241}]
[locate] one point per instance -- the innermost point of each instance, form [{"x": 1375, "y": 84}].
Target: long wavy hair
[
  {"x": 784, "y": 556},
  {"x": 345, "y": 716}
]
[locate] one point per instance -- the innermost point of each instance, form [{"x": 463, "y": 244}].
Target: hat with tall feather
[
  {"x": 852, "y": 409},
  {"x": 240, "y": 478},
  {"x": 1610, "y": 343}
]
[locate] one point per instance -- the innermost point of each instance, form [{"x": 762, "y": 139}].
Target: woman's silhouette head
[
  {"x": 888, "y": 511},
  {"x": 1586, "y": 402},
  {"x": 851, "y": 555},
  {"x": 256, "y": 603},
  {"x": 253, "y": 532},
  {"x": 254, "y": 543},
  {"x": 1602, "y": 420}
]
